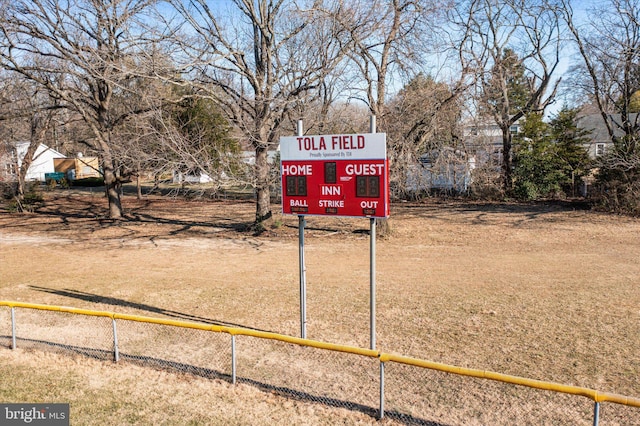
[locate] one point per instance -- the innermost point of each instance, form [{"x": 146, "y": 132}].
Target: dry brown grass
[{"x": 540, "y": 291}]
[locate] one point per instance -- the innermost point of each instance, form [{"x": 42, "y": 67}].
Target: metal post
[
  {"x": 303, "y": 269},
  {"x": 303, "y": 278},
  {"x": 381, "y": 391},
  {"x": 596, "y": 414},
  {"x": 13, "y": 328},
  {"x": 299, "y": 128},
  {"x": 233, "y": 359},
  {"x": 372, "y": 281},
  {"x": 116, "y": 351},
  {"x": 372, "y": 264}
]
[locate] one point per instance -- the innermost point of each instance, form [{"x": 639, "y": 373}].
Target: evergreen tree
[
  {"x": 549, "y": 158},
  {"x": 570, "y": 143},
  {"x": 506, "y": 98},
  {"x": 421, "y": 119},
  {"x": 202, "y": 123},
  {"x": 536, "y": 164},
  {"x": 509, "y": 73}
]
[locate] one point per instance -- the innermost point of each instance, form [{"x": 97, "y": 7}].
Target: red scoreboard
[{"x": 337, "y": 175}]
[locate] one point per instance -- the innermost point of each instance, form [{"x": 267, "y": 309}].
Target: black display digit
[
  {"x": 368, "y": 186},
  {"x": 374, "y": 186},
  {"x": 302, "y": 186},
  {"x": 330, "y": 173},
  {"x": 296, "y": 186}
]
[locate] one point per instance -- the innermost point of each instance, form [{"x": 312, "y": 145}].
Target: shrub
[
  {"x": 8, "y": 190},
  {"x": 618, "y": 190},
  {"x": 31, "y": 200},
  {"x": 51, "y": 184},
  {"x": 526, "y": 191}
]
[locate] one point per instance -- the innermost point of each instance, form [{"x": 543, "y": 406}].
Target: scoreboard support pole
[
  {"x": 372, "y": 264},
  {"x": 303, "y": 278},
  {"x": 372, "y": 281},
  {"x": 303, "y": 269}
]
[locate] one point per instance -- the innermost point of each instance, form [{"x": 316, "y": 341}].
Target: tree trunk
[
  {"x": 507, "y": 178},
  {"x": 27, "y": 160},
  {"x": 113, "y": 195},
  {"x": 112, "y": 185},
  {"x": 24, "y": 168},
  {"x": 138, "y": 186},
  {"x": 263, "y": 197}
]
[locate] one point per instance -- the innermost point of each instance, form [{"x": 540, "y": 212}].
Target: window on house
[
  {"x": 514, "y": 129},
  {"x": 599, "y": 149},
  {"x": 10, "y": 169}
]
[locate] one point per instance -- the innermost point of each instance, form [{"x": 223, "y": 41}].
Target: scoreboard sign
[{"x": 339, "y": 175}]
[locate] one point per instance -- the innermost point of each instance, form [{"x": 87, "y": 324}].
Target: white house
[
  {"x": 191, "y": 177},
  {"x": 42, "y": 161},
  {"x": 447, "y": 169},
  {"x": 249, "y": 157}
]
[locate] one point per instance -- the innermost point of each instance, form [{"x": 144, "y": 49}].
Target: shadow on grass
[
  {"x": 91, "y": 208},
  {"x": 96, "y": 298},
  {"x": 182, "y": 368},
  {"x": 87, "y": 214},
  {"x": 481, "y": 211}
]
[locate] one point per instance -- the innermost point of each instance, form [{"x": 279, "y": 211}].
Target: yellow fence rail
[{"x": 596, "y": 396}]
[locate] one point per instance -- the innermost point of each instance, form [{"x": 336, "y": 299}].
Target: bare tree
[
  {"x": 504, "y": 44},
  {"x": 394, "y": 41},
  {"x": 257, "y": 59},
  {"x": 387, "y": 39},
  {"x": 325, "y": 109},
  {"x": 609, "y": 74},
  {"x": 84, "y": 53},
  {"x": 27, "y": 113},
  {"x": 423, "y": 122},
  {"x": 609, "y": 47}
]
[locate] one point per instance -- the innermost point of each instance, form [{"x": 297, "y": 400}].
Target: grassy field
[{"x": 541, "y": 291}]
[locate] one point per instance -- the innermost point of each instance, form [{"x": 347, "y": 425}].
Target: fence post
[
  {"x": 13, "y": 327},
  {"x": 381, "y": 391},
  {"x": 596, "y": 414},
  {"x": 233, "y": 359},
  {"x": 116, "y": 352}
]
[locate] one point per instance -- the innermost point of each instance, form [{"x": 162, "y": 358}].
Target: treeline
[{"x": 154, "y": 87}]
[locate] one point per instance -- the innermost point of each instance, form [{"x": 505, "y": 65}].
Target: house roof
[
  {"x": 21, "y": 150},
  {"x": 596, "y": 124}
]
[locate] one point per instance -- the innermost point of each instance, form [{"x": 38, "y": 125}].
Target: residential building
[
  {"x": 12, "y": 157},
  {"x": 600, "y": 140},
  {"x": 79, "y": 167}
]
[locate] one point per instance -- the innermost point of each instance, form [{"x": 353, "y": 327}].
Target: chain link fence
[
  {"x": 450, "y": 399},
  {"x": 335, "y": 379},
  {"x": 5, "y": 326},
  {"x": 336, "y": 376},
  {"x": 64, "y": 332},
  {"x": 185, "y": 350}
]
